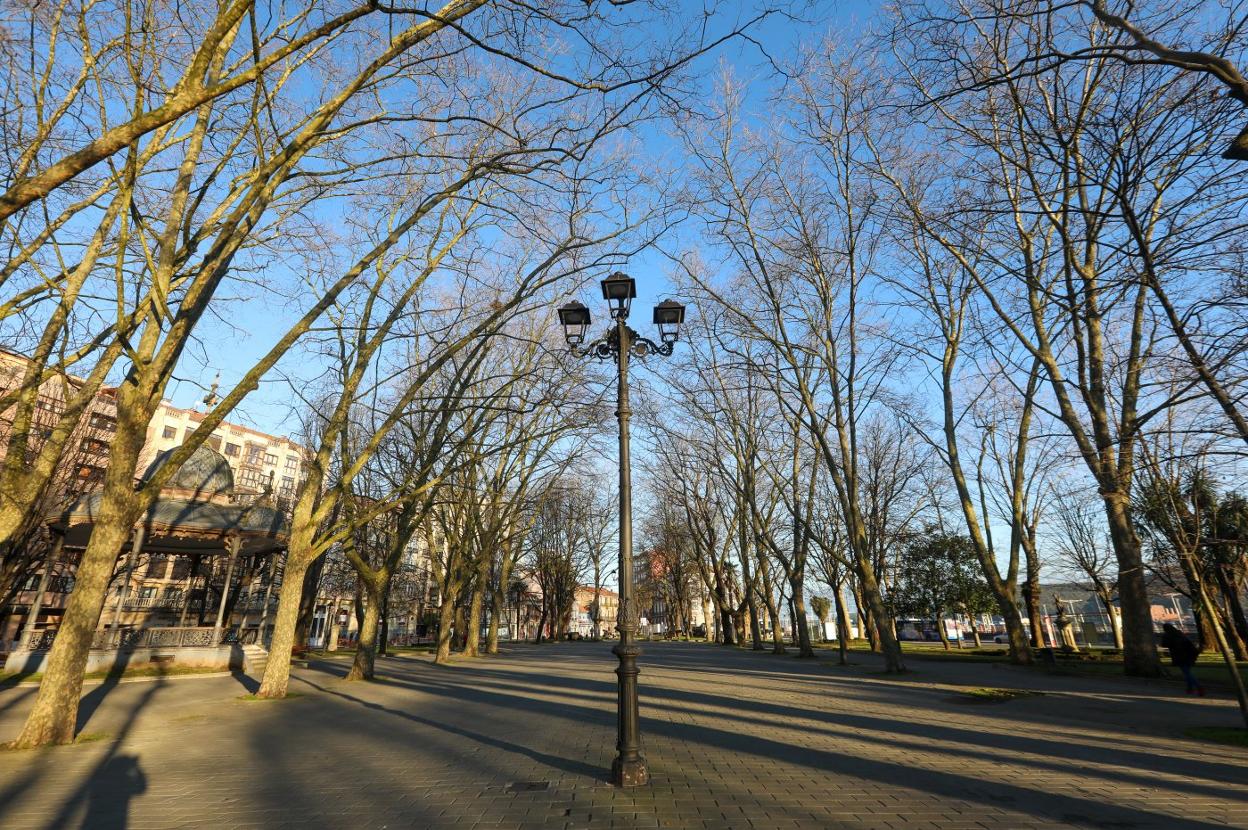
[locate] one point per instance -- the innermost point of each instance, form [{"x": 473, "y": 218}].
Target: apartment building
[
  {"x": 86, "y": 453},
  {"x": 255, "y": 457}
]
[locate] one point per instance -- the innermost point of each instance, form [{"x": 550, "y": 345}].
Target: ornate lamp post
[{"x": 629, "y": 767}]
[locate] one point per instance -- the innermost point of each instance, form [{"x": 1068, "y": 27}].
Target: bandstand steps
[{"x": 255, "y": 659}]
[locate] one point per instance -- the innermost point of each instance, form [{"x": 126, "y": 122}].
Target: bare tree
[
  {"x": 802, "y": 234},
  {"x": 1085, "y": 546},
  {"x": 183, "y": 213}
]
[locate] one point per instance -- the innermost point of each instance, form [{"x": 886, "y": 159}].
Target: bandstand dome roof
[
  {"x": 206, "y": 473},
  {"x": 192, "y": 514}
]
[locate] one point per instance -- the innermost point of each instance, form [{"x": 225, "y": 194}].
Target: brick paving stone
[{"x": 734, "y": 739}]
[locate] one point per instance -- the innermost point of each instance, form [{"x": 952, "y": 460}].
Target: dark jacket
[{"x": 1183, "y": 652}]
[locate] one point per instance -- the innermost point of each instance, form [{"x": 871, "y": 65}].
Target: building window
[
  {"x": 157, "y": 566},
  {"x": 288, "y": 486},
  {"x": 105, "y": 422},
  {"x": 270, "y": 458},
  {"x": 182, "y": 567},
  {"x": 252, "y": 479},
  {"x": 94, "y": 445},
  {"x": 232, "y": 450},
  {"x": 173, "y": 595},
  {"x": 147, "y": 592},
  {"x": 31, "y": 583},
  {"x": 291, "y": 462},
  {"x": 214, "y": 441},
  {"x": 61, "y": 584},
  {"x": 90, "y": 474},
  {"x": 254, "y": 454},
  {"x": 170, "y": 432}
]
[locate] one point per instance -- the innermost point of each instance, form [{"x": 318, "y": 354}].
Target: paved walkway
[{"x": 734, "y": 739}]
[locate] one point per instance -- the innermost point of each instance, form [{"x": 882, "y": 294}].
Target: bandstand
[{"x": 198, "y": 519}]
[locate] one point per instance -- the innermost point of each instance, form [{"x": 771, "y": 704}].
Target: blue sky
[{"x": 256, "y": 322}]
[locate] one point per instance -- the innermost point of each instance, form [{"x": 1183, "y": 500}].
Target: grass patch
[
  {"x": 1229, "y": 735},
  {"x": 153, "y": 670},
  {"x": 1210, "y": 672},
  {"x": 142, "y": 670},
  {"x": 934, "y": 651},
  {"x": 992, "y": 695},
  {"x": 91, "y": 737},
  {"x": 1099, "y": 662},
  {"x": 256, "y": 699}
]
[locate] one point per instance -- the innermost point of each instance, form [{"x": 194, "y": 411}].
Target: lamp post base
[
  {"x": 629, "y": 767},
  {"x": 629, "y": 773}
]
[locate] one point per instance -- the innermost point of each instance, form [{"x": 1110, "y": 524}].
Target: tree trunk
[
  {"x": 769, "y": 597},
  {"x": 739, "y": 621},
  {"x": 472, "y": 636},
  {"x": 54, "y": 718},
  {"x": 285, "y": 621},
  {"x": 1031, "y": 595},
  {"x": 1219, "y": 610},
  {"x": 1107, "y": 601},
  {"x": 802, "y": 631},
  {"x": 1238, "y": 628},
  {"x": 940, "y": 629},
  {"x": 747, "y": 584},
  {"x": 497, "y": 602},
  {"x": 1020, "y": 648},
  {"x": 460, "y": 628},
  {"x": 363, "y": 666},
  {"x": 866, "y": 621},
  {"x": 307, "y": 601},
  {"x": 777, "y": 633},
  {"x": 1237, "y": 680},
  {"x": 541, "y": 621},
  {"x": 383, "y": 626},
  {"x": 843, "y": 631},
  {"x": 446, "y": 622},
  {"x": 883, "y": 623},
  {"x": 332, "y": 645},
  {"x": 1139, "y": 652},
  {"x": 727, "y": 626}
]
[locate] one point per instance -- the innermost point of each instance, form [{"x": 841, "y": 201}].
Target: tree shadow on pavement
[
  {"x": 558, "y": 762},
  {"x": 249, "y": 683},
  {"x": 889, "y": 695},
  {"x": 106, "y": 789},
  {"x": 113, "y": 782},
  {"x": 91, "y": 701},
  {"x": 17, "y": 697},
  {"x": 515, "y": 691}
]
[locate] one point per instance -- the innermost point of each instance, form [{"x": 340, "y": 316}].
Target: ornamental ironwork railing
[{"x": 133, "y": 638}]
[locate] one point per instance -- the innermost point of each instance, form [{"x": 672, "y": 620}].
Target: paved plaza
[{"x": 735, "y": 739}]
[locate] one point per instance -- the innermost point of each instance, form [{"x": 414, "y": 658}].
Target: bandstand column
[
  {"x": 136, "y": 547},
  {"x": 28, "y": 630},
  {"x": 232, "y": 544},
  {"x": 268, "y": 592}
]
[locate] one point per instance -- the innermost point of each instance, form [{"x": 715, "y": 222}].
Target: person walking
[{"x": 1183, "y": 653}]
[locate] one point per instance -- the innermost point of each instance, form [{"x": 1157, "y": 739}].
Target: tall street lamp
[{"x": 629, "y": 767}]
